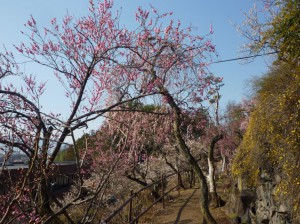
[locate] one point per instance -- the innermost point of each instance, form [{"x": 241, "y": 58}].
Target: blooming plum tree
[
  {"x": 179, "y": 73},
  {"x": 100, "y": 66}
]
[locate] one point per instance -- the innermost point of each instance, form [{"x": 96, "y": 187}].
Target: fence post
[
  {"x": 130, "y": 207},
  {"x": 163, "y": 191}
]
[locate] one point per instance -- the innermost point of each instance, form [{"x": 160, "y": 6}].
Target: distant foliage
[
  {"x": 277, "y": 30},
  {"x": 69, "y": 152}
]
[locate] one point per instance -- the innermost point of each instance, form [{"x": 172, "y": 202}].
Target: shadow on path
[{"x": 183, "y": 206}]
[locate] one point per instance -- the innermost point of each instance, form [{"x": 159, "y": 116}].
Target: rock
[
  {"x": 238, "y": 204},
  {"x": 261, "y": 206},
  {"x": 270, "y": 208},
  {"x": 277, "y": 179},
  {"x": 283, "y": 208},
  {"x": 234, "y": 204}
]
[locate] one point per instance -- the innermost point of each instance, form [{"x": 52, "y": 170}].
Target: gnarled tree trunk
[
  {"x": 214, "y": 198},
  {"x": 193, "y": 162}
]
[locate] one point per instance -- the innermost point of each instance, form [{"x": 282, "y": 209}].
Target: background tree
[
  {"x": 149, "y": 132},
  {"x": 68, "y": 152},
  {"x": 234, "y": 123},
  {"x": 277, "y": 31}
]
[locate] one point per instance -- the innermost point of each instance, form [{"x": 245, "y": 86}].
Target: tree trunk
[
  {"x": 223, "y": 162},
  {"x": 44, "y": 200},
  {"x": 214, "y": 198},
  {"x": 191, "y": 159},
  {"x": 191, "y": 176}
]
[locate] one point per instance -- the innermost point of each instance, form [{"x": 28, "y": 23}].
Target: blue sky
[{"x": 199, "y": 13}]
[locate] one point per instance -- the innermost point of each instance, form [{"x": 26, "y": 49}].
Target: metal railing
[{"x": 129, "y": 201}]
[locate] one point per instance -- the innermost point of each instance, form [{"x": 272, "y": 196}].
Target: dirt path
[{"x": 183, "y": 209}]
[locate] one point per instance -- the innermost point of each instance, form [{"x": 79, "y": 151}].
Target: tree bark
[
  {"x": 191, "y": 159},
  {"x": 223, "y": 163},
  {"x": 214, "y": 198}
]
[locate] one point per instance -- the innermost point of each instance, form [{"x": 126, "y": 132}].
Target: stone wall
[
  {"x": 259, "y": 205},
  {"x": 268, "y": 207}
]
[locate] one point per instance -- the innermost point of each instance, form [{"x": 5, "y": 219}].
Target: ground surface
[{"x": 182, "y": 209}]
